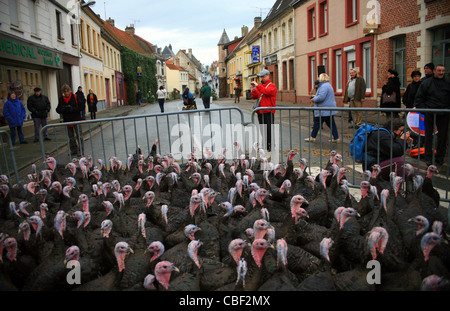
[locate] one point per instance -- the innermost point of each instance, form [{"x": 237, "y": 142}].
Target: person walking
[
  {"x": 138, "y": 97},
  {"x": 205, "y": 94},
  {"x": 267, "y": 93},
  {"x": 14, "y": 112},
  {"x": 379, "y": 144},
  {"x": 324, "y": 98},
  {"x": 92, "y": 101},
  {"x": 82, "y": 102},
  {"x": 237, "y": 93},
  {"x": 39, "y": 106},
  {"x": 69, "y": 108},
  {"x": 434, "y": 93},
  {"x": 161, "y": 94},
  {"x": 390, "y": 94},
  {"x": 355, "y": 93}
]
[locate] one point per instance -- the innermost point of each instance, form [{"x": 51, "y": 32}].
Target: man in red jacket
[{"x": 267, "y": 92}]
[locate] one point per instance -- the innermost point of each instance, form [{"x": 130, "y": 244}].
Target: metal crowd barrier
[
  {"x": 293, "y": 124},
  {"x": 189, "y": 130},
  {"x": 8, "y": 160}
]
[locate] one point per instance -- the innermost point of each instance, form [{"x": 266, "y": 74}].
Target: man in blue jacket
[{"x": 14, "y": 112}]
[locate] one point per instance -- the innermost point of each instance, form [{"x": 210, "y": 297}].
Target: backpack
[{"x": 358, "y": 143}]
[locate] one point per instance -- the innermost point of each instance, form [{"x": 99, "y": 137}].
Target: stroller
[{"x": 190, "y": 104}]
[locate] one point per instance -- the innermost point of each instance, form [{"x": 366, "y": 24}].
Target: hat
[
  {"x": 415, "y": 73},
  {"x": 393, "y": 71},
  {"x": 37, "y": 89},
  {"x": 263, "y": 73},
  {"x": 429, "y": 65}
]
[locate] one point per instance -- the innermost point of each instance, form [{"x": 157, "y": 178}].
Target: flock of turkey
[{"x": 212, "y": 225}]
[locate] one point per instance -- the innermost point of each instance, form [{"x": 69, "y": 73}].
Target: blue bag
[{"x": 358, "y": 143}]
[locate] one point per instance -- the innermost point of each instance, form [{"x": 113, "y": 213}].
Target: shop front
[{"x": 25, "y": 65}]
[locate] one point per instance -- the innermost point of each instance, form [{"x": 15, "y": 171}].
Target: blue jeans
[
  {"x": 329, "y": 121},
  {"x": 13, "y": 134},
  {"x": 161, "y": 104}
]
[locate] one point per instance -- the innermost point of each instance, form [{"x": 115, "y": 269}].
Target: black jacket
[
  {"x": 410, "y": 94},
  {"x": 39, "y": 106},
  {"x": 384, "y": 148},
  {"x": 91, "y": 100},
  {"x": 81, "y": 99},
  {"x": 433, "y": 93},
  {"x": 71, "y": 111},
  {"x": 393, "y": 85}
]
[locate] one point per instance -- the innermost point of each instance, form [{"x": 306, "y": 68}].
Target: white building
[{"x": 38, "y": 48}]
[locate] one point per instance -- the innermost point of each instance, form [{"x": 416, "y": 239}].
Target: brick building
[{"x": 411, "y": 34}]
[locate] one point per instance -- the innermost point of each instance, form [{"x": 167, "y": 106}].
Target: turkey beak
[
  {"x": 175, "y": 269},
  {"x": 131, "y": 250}
]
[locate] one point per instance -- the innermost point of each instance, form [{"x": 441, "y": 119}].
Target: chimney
[
  {"x": 110, "y": 21},
  {"x": 130, "y": 29},
  {"x": 257, "y": 22},
  {"x": 190, "y": 52},
  {"x": 244, "y": 30}
]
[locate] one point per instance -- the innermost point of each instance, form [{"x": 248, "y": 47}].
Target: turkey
[{"x": 208, "y": 224}]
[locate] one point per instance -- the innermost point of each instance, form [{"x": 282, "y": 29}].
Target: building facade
[
  {"x": 177, "y": 80},
  {"x": 333, "y": 38},
  {"x": 32, "y": 52},
  {"x": 278, "y": 49},
  {"x": 411, "y": 34}
]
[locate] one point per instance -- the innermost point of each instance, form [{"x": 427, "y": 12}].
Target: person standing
[
  {"x": 69, "y": 108},
  {"x": 324, "y": 98},
  {"x": 390, "y": 94},
  {"x": 138, "y": 97},
  {"x": 355, "y": 93},
  {"x": 205, "y": 94},
  {"x": 434, "y": 93},
  {"x": 92, "y": 101},
  {"x": 237, "y": 93},
  {"x": 14, "y": 112},
  {"x": 411, "y": 90},
  {"x": 267, "y": 92},
  {"x": 428, "y": 70},
  {"x": 82, "y": 102},
  {"x": 162, "y": 94},
  {"x": 39, "y": 106}
]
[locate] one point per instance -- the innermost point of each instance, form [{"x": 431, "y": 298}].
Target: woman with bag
[
  {"x": 390, "y": 94},
  {"x": 266, "y": 94},
  {"x": 324, "y": 98}
]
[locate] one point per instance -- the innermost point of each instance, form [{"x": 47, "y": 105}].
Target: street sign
[{"x": 255, "y": 54}]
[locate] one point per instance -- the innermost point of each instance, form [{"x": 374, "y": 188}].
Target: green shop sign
[{"x": 23, "y": 51}]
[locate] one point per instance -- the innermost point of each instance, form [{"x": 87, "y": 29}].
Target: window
[
  {"x": 324, "y": 59},
  {"x": 82, "y": 38},
  {"x": 399, "y": 58},
  {"x": 312, "y": 66},
  {"x": 275, "y": 39},
  {"x": 323, "y": 18},
  {"x": 13, "y": 13},
  {"x": 291, "y": 74},
  {"x": 32, "y": 15},
  {"x": 269, "y": 48},
  {"x": 88, "y": 38},
  {"x": 311, "y": 22},
  {"x": 441, "y": 47},
  {"x": 338, "y": 68},
  {"x": 73, "y": 31},
  {"x": 290, "y": 31},
  {"x": 367, "y": 66},
  {"x": 283, "y": 35},
  {"x": 284, "y": 68},
  {"x": 59, "y": 25},
  {"x": 351, "y": 12}
]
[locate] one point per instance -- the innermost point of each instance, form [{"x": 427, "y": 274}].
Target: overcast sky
[{"x": 195, "y": 24}]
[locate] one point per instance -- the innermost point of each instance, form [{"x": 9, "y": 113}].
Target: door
[{"x": 108, "y": 100}]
